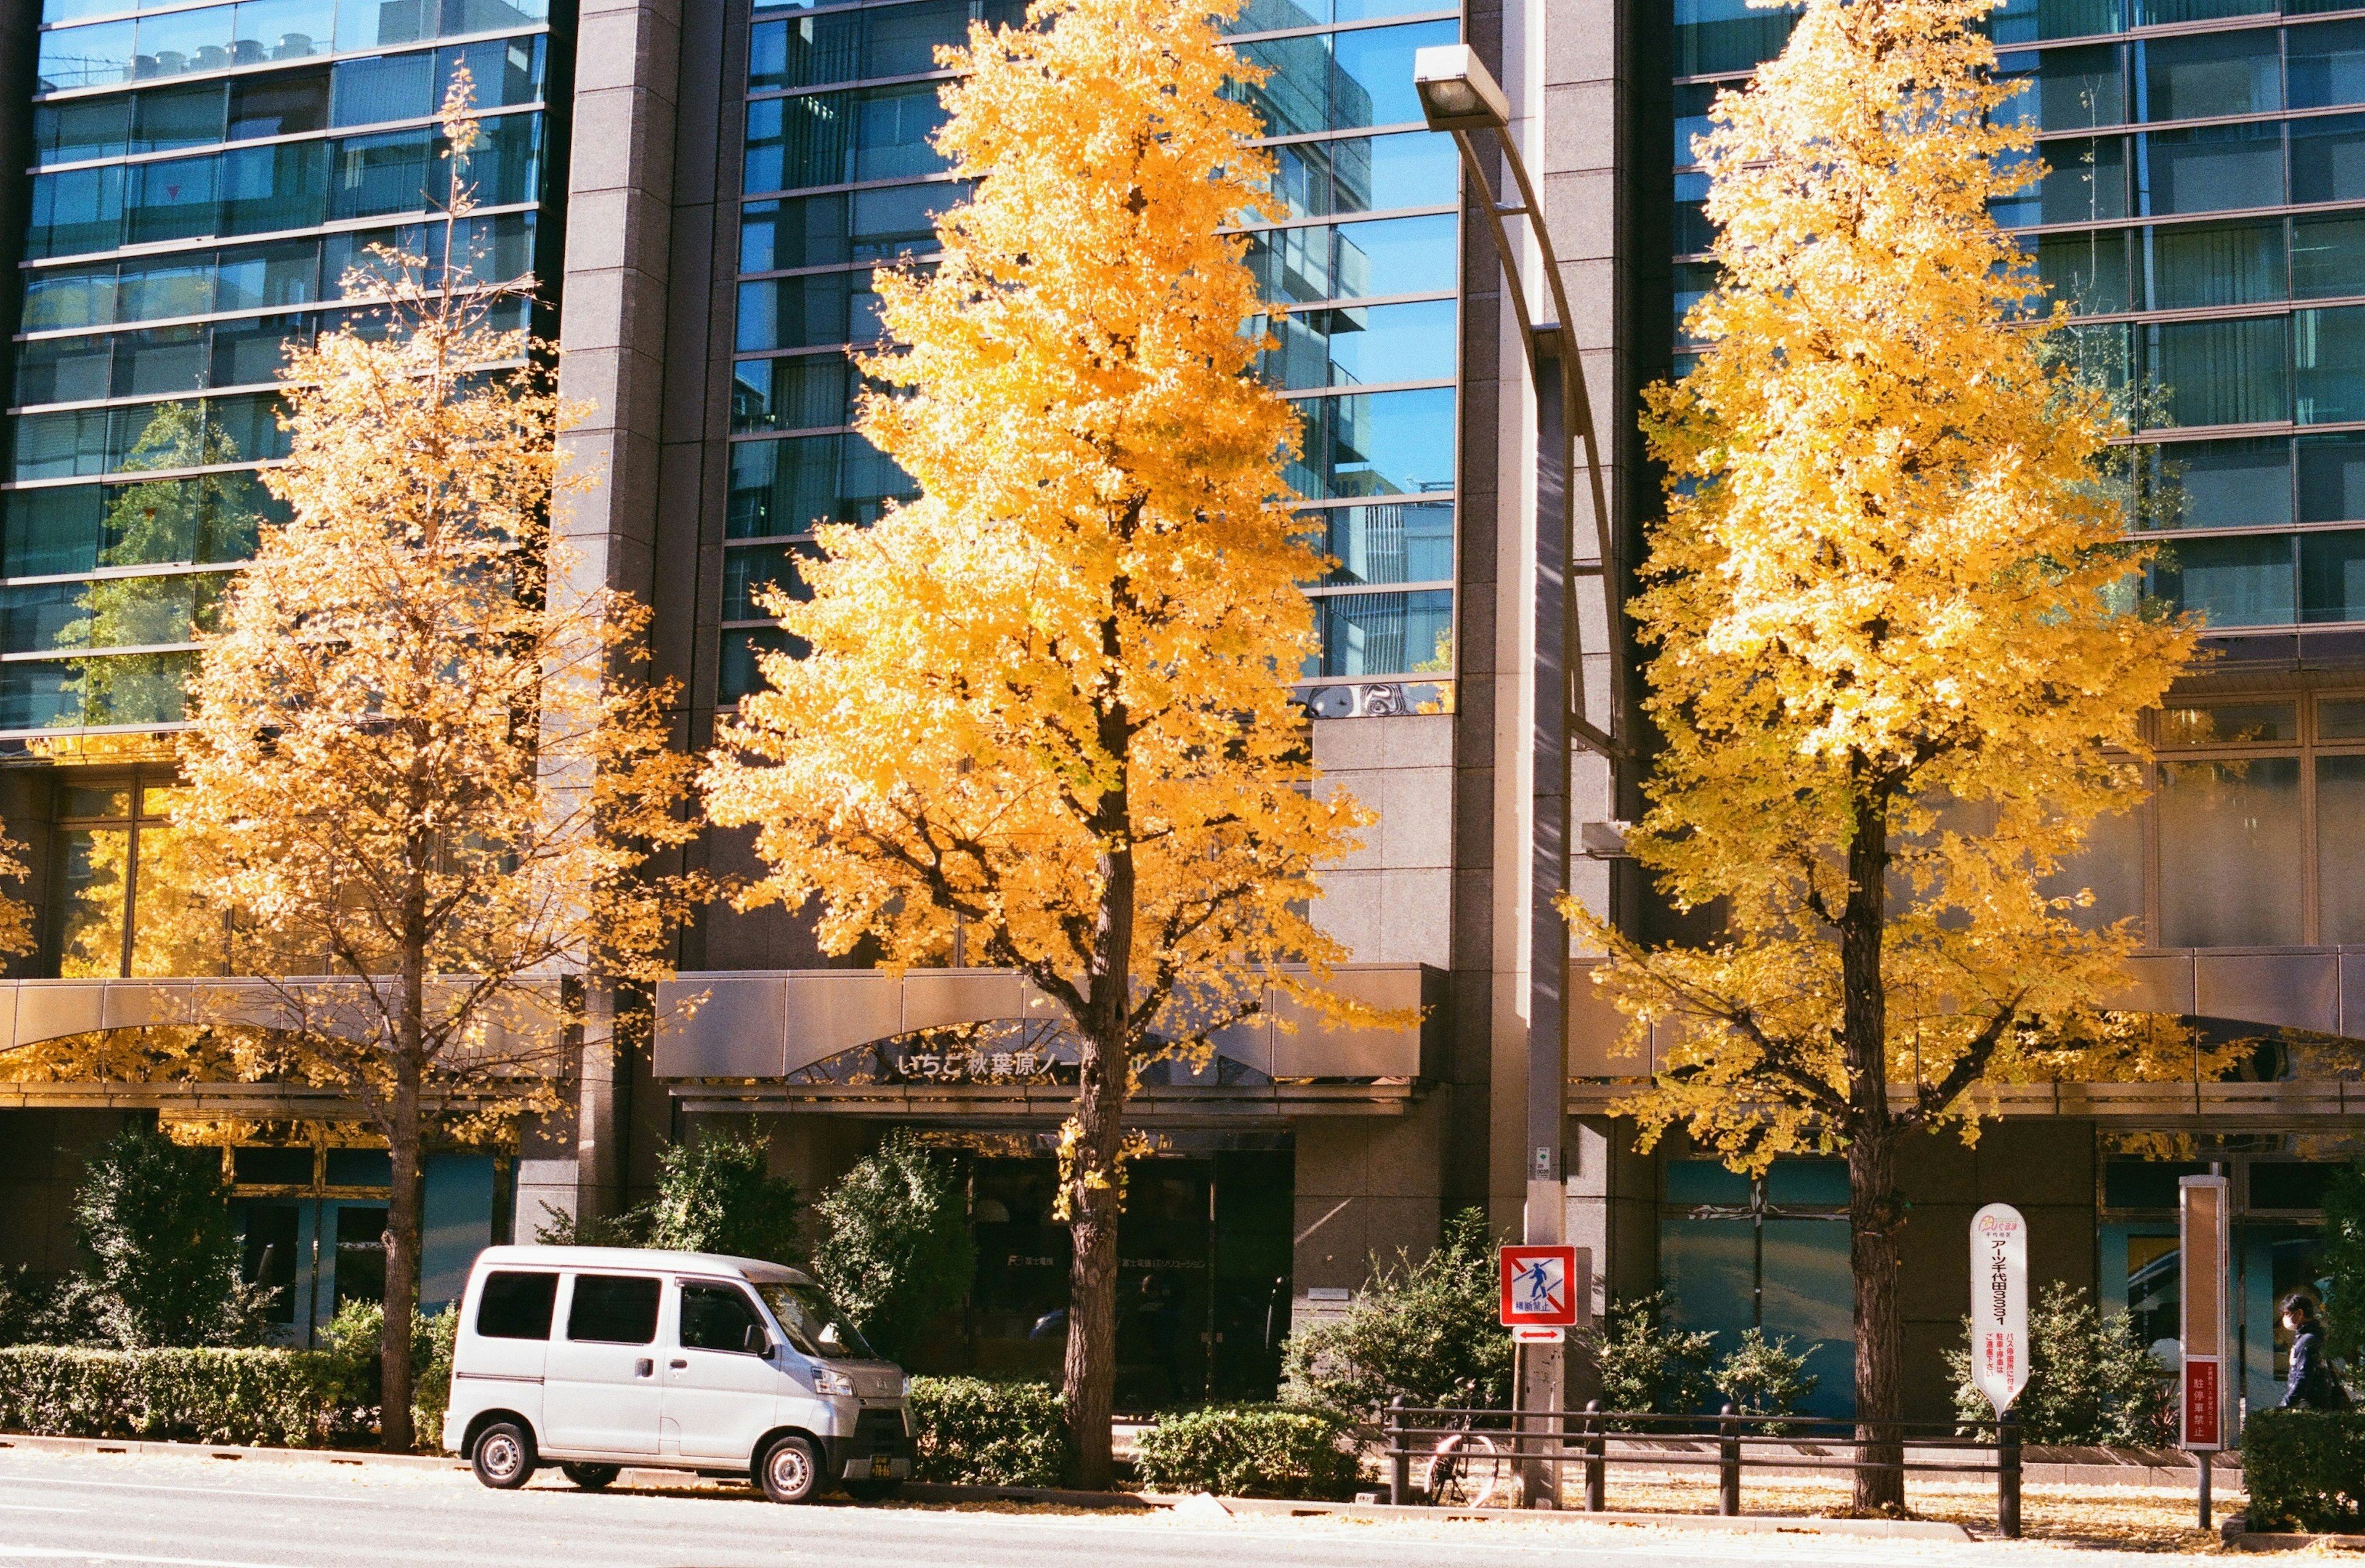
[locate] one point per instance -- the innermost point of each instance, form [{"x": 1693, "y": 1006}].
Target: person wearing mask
[{"x": 2312, "y": 1385}]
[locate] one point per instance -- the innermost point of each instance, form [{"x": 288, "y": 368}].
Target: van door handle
[
  {"x": 678, "y": 1364},
  {"x": 643, "y": 1367}
]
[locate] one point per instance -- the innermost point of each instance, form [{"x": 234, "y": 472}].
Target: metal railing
[{"x": 1446, "y": 1441}]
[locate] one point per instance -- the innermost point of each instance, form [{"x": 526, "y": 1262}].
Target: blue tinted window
[
  {"x": 2086, "y": 182},
  {"x": 1691, "y": 120},
  {"x": 2069, "y": 89},
  {"x": 2331, "y": 478},
  {"x": 2217, "y": 372},
  {"x": 2328, "y": 159},
  {"x": 2024, "y": 21},
  {"x": 86, "y": 57},
  {"x": 2331, "y": 577},
  {"x": 391, "y": 87},
  {"x": 285, "y": 29},
  {"x": 2209, "y": 74},
  {"x": 1366, "y": 634},
  {"x": 812, "y": 311},
  {"x": 178, "y": 41},
  {"x": 1355, "y": 261},
  {"x": 2088, "y": 271},
  {"x": 808, "y": 392},
  {"x": 2329, "y": 365},
  {"x": 2190, "y": 266},
  {"x": 2234, "y": 581},
  {"x": 1717, "y": 36},
  {"x": 2210, "y": 169},
  {"x": 2215, "y": 484},
  {"x": 1366, "y": 173},
  {"x": 172, "y": 201},
  {"x": 1362, "y": 345},
  {"x": 787, "y": 487},
  {"x": 84, "y": 128},
  {"x": 1375, "y": 74},
  {"x": 1375, "y": 444},
  {"x": 2325, "y": 64},
  {"x": 1389, "y": 542},
  {"x": 265, "y": 189},
  {"x": 79, "y": 211}
]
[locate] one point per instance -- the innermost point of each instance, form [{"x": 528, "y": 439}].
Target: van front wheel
[
  {"x": 503, "y": 1457},
  {"x": 791, "y": 1470}
]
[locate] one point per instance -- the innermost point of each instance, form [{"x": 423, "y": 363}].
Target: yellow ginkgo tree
[
  {"x": 1898, "y": 659},
  {"x": 1046, "y": 700},
  {"x": 426, "y": 777}
]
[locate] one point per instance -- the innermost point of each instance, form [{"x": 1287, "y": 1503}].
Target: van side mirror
[{"x": 754, "y": 1341}]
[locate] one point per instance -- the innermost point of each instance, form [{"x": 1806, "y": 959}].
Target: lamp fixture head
[{"x": 1456, "y": 91}]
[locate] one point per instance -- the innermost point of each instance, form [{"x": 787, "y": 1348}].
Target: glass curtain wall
[
  {"x": 2203, "y": 213},
  {"x": 1359, "y": 262},
  {"x": 204, "y": 177}
]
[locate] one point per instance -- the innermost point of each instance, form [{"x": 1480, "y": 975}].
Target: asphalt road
[{"x": 75, "y": 1509}]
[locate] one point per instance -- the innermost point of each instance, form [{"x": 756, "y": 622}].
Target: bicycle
[{"x": 1466, "y": 1468}]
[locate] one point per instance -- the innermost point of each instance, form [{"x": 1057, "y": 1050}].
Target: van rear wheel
[
  {"x": 789, "y": 1471},
  {"x": 503, "y": 1457},
  {"x": 591, "y": 1477}
]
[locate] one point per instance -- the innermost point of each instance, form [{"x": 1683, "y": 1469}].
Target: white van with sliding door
[{"x": 595, "y": 1358}]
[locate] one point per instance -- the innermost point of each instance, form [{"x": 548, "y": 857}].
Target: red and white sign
[
  {"x": 2203, "y": 1401},
  {"x": 1539, "y": 1288},
  {"x": 2202, "y": 1237},
  {"x": 2000, "y": 1304}
]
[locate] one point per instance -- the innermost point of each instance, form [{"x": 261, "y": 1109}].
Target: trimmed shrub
[
  {"x": 974, "y": 1431},
  {"x": 1429, "y": 1331},
  {"x": 265, "y": 1397},
  {"x": 1764, "y": 1377},
  {"x": 164, "y": 1262},
  {"x": 2305, "y": 1470},
  {"x": 1249, "y": 1450},
  {"x": 354, "y": 1337},
  {"x": 1647, "y": 1368},
  {"x": 2089, "y": 1379},
  {"x": 898, "y": 1245}
]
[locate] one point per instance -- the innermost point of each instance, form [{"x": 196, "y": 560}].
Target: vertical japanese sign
[
  {"x": 2000, "y": 1304},
  {"x": 2200, "y": 1409}
]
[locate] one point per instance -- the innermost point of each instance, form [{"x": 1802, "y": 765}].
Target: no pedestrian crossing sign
[{"x": 1539, "y": 1286}]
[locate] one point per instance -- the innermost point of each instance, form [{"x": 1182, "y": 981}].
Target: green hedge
[
  {"x": 1249, "y": 1450},
  {"x": 2305, "y": 1468},
  {"x": 268, "y": 1397},
  {"x": 967, "y": 1430}
]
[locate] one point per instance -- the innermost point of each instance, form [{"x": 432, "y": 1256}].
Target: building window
[
  {"x": 124, "y": 901},
  {"x": 1771, "y": 1253}
]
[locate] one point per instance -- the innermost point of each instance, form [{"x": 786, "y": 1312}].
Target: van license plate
[{"x": 881, "y": 1467}]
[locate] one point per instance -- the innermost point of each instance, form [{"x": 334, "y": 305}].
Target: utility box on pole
[{"x": 2202, "y": 1229}]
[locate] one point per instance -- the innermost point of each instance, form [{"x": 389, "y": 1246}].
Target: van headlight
[{"x": 834, "y": 1384}]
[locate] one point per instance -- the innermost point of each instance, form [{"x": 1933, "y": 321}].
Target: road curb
[
  {"x": 229, "y": 1451},
  {"x": 2292, "y": 1540},
  {"x": 1184, "y": 1502}
]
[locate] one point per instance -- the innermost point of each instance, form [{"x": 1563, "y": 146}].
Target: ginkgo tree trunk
[
  {"x": 1047, "y": 699},
  {"x": 425, "y": 778},
  {"x": 1899, "y": 663}
]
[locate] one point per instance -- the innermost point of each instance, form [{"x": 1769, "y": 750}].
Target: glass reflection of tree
[
  {"x": 111, "y": 876},
  {"x": 210, "y": 516},
  {"x": 97, "y": 895}
]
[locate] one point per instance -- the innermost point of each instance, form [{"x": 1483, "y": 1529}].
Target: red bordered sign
[{"x": 1539, "y": 1287}]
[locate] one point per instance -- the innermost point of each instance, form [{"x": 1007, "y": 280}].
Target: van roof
[{"x": 648, "y": 1258}]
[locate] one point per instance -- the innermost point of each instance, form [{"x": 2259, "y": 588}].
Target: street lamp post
[{"x": 1458, "y": 96}]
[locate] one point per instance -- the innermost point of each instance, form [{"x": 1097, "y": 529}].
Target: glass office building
[
  {"x": 1361, "y": 263},
  {"x": 2203, "y": 216},
  {"x": 203, "y": 178}
]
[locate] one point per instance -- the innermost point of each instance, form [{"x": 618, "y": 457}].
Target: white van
[{"x": 594, "y": 1358}]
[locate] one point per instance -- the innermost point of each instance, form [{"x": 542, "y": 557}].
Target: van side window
[
  {"x": 718, "y": 1318},
  {"x": 516, "y": 1306},
  {"x": 613, "y": 1309}
]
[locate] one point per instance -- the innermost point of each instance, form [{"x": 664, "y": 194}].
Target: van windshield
[{"x": 814, "y": 1323}]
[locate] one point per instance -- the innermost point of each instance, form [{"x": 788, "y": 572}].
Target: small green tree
[
  {"x": 715, "y": 1194},
  {"x": 2089, "y": 1379},
  {"x": 1647, "y": 1368},
  {"x": 897, "y": 1247},
  {"x": 1429, "y": 1331},
  {"x": 154, "y": 1218},
  {"x": 1764, "y": 1377},
  {"x": 2344, "y": 1266}
]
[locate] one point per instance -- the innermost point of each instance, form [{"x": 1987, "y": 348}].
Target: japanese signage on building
[{"x": 1999, "y": 1304}]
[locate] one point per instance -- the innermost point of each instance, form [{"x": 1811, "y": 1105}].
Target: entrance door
[
  {"x": 719, "y": 1389},
  {"x": 599, "y": 1387}
]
